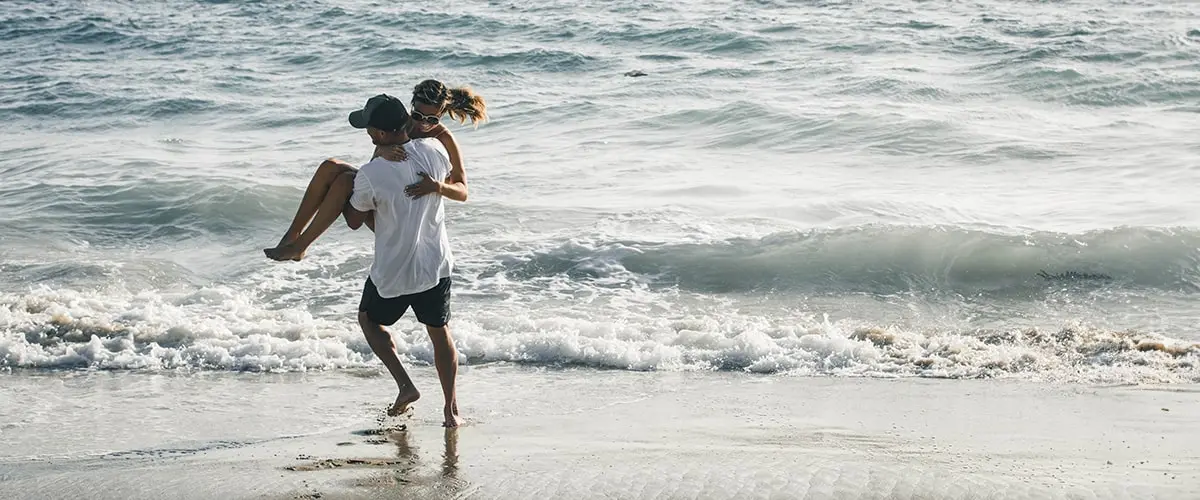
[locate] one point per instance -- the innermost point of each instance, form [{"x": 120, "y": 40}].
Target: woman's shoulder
[
  {"x": 428, "y": 145},
  {"x": 433, "y": 133}
]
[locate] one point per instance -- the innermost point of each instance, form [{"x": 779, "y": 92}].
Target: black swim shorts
[{"x": 432, "y": 306}]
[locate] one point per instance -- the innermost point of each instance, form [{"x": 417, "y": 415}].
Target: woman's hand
[
  {"x": 423, "y": 187},
  {"x": 391, "y": 153}
]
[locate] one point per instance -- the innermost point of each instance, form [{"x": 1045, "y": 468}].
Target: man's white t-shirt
[{"x": 412, "y": 249}]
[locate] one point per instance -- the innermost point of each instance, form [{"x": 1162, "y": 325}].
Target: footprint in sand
[
  {"x": 338, "y": 463},
  {"x": 381, "y": 431}
]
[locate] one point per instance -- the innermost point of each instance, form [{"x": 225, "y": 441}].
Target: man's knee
[
  {"x": 439, "y": 334},
  {"x": 368, "y": 325}
]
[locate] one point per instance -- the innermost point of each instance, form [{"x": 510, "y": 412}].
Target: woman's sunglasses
[{"x": 422, "y": 117}]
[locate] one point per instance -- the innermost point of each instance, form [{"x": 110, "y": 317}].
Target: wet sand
[{"x": 541, "y": 433}]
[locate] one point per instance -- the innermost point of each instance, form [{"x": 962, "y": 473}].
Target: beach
[
  {"x": 765, "y": 249},
  {"x": 545, "y": 433}
]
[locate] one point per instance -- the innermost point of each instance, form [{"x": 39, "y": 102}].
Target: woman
[{"x": 431, "y": 100}]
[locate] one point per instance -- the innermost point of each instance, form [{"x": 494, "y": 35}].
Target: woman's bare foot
[
  {"x": 452, "y": 418},
  {"x": 287, "y": 238},
  {"x": 284, "y": 252},
  {"x": 407, "y": 396}
]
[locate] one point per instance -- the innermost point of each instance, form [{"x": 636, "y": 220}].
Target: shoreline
[{"x": 536, "y": 432}]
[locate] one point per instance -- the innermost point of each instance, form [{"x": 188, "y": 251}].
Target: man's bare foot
[
  {"x": 284, "y": 252},
  {"x": 407, "y": 396},
  {"x": 452, "y": 418}
]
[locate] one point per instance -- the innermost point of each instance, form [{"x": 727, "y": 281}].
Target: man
[{"x": 413, "y": 261}]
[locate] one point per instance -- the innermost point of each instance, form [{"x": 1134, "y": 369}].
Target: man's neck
[{"x": 398, "y": 138}]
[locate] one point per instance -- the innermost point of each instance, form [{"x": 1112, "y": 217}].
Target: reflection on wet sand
[{"x": 408, "y": 474}]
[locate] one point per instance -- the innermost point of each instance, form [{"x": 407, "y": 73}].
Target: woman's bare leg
[
  {"x": 326, "y": 172},
  {"x": 314, "y": 195},
  {"x": 331, "y": 207}
]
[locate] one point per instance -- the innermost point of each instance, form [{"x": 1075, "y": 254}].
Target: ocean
[{"x": 819, "y": 189}]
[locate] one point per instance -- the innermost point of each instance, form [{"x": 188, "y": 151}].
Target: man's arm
[
  {"x": 362, "y": 201},
  {"x": 354, "y": 218}
]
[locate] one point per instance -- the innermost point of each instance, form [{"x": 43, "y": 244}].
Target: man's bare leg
[
  {"x": 381, "y": 343},
  {"x": 445, "y": 358},
  {"x": 331, "y": 208},
  {"x": 322, "y": 179}
]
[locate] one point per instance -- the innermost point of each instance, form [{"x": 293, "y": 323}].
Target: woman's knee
[{"x": 334, "y": 166}]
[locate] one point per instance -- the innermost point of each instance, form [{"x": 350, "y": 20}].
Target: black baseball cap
[{"x": 383, "y": 112}]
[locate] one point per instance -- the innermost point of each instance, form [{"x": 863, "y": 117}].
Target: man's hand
[{"x": 423, "y": 187}]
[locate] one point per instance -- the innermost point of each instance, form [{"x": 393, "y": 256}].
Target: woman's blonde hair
[{"x": 460, "y": 103}]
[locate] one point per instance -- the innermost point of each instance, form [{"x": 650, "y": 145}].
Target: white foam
[
  {"x": 732, "y": 342},
  {"x": 212, "y": 328},
  {"x": 219, "y": 328}
]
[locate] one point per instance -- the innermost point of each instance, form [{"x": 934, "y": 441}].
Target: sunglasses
[{"x": 422, "y": 117}]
